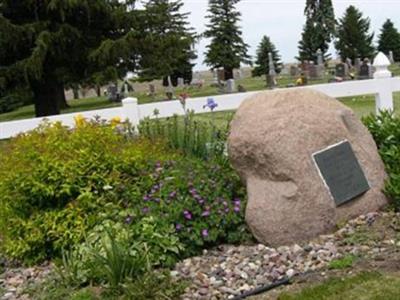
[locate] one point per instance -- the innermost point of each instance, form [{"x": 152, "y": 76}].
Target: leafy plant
[
  {"x": 385, "y": 128},
  {"x": 196, "y": 138},
  {"x": 116, "y": 256},
  {"x": 56, "y": 183}
]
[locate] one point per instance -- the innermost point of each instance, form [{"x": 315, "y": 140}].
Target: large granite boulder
[{"x": 273, "y": 138}]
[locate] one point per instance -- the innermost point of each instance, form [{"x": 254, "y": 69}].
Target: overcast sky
[{"x": 283, "y": 20}]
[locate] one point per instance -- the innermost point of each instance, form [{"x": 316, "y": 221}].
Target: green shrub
[
  {"x": 385, "y": 129},
  {"x": 13, "y": 100},
  {"x": 55, "y": 185},
  {"x": 59, "y": 186}
]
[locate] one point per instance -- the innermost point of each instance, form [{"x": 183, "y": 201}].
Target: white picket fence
[{"x": 382, "y": 86}]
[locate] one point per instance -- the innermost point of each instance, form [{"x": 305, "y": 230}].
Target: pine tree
[
  {"x": 318, "y": 31},
  {"x": 262, "y": 59},
  {"x": 354, "y": 40},
  {"x": 49, "y": 44},
  {"x": 227, "y": 48},
  {"x": 389, "y": 40},
  {"x": 167, "y": 49}
]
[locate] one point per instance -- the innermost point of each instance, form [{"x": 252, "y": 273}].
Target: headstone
[
  {"x": 305, "y": 65},
  {"x": 294, "y": 71},
  {"x": 215, "y": 78},
  {"x": 181, "y": 82},
  {"x": 365, "y": 70},
  {"x": 271, "y": 78},
  {"x": 289, "y": 201},
  {"x": 320, "y": 58},
  {"x": 320, "y": 64},
  {"x": 238, "y": 74},
  {"x": 357, "y": 65},
  {"x": 349, "y": 63},
  {"x": 391, "y": 57},
  {"x": 285, "y": 70},
  {"x": 221, "y": 75},
  {"x": 230, "y": 86},
  {"x": 152, "y": 90},
  {"x": 112, "y": 93},
  {"x": 341, "y": 70},
  {"x": 313, "y": 71},
  {"x": 341, "y": 172}
]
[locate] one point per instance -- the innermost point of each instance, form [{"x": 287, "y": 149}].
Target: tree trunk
[
  {"x": 98, "y": 90},
  {"x": 75, "y": 91},
  {"x": 228, "y": 73},
  {"x": 46, "y": 94},
  {"x": 62, "y": 101}
]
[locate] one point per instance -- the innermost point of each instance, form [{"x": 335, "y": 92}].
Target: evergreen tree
[
  {"x": 389, "y": 40},
  {"x": 227, "y": 48},
  {"x": 262, "y": 59},
  {"x": 167, "y": 49},
  {"x": 49, "y": 44},
  {"x": 318, "y": 30},
  {"x": 354, "y": 40}
]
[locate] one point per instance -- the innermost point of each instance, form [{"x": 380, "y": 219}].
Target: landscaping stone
[
  {"x": 225, "y": 267},
  {"x": 14, "y": 280},
  {"x": 273, "y": 137},
  {"x": 228, "y": 271}
]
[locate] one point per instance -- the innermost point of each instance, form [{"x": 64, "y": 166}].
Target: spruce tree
[
  {"x": 389, "y": 40},
  {"x": 167, "y": 49},
  {"x": 49, "y": 44},
  {"x": 318, "y": 31},
  {"x": 227, "y": 48},
  {"x": 262, "y": 59},
  {"x": 353, "y": 37}
]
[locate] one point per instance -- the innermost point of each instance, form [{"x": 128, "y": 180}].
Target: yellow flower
[
  {"x": 115, "y": 122},
  {"x": 79, "y": 120}
]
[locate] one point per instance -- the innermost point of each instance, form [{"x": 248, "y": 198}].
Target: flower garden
[{"x": 113, "y": 208}]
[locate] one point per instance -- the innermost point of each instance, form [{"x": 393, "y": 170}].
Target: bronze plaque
[{"x": 341, "y": 172}]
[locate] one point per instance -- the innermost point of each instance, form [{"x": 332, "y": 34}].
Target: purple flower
[
  {"x": 145, "y": 210},
  {"x": 193, "y": 191},
  {"x": 178, "y": 227},
  {"x": 128, "y": 219},
  {"x": 172, "y": 194},
  {"x": 201, "y": 201},
  {"x": 146, "y": 198},
  {"x": 227, "y": 210},
  {"x": 236, "y": 209},
  {"x": 187, "y": 214},
  {"x": 206, "y": 213},
  {"x": 204, "y": 233},
  {"x": 236, "y": 202},
  {"x": 211, "y": 104}
]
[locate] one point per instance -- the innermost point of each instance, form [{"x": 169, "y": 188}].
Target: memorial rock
[{"x": 308, "y": 164}]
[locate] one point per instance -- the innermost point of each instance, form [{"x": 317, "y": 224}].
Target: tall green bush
[
  {"x": 385, "y": 128},
  {"x": 54, "y": 184}
]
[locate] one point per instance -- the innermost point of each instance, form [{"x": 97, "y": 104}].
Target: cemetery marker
[{"x": 341, "y": 172}]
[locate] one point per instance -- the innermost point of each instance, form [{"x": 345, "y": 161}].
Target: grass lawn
[{"x": 365, "y": 286}]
